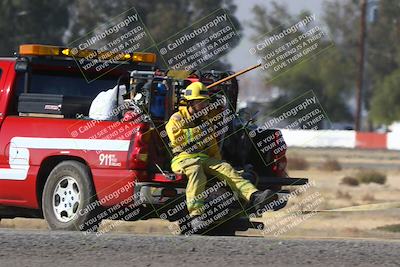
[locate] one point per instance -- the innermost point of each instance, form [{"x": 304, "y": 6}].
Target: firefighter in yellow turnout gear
[{"x": 196, "y": 153}]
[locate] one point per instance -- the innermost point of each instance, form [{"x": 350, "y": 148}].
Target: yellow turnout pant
[{"x": 196, "y": 170}]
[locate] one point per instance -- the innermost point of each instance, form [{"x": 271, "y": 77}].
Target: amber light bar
[{"x": 49, "y": 50}]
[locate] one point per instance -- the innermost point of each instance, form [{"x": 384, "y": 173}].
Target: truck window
[
  {"x": 60, "y": 83},
  {"x": 75, "y": 84}
]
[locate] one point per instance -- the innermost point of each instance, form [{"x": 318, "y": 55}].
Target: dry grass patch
[
  {"x": 351, "y": 181},
  {"x": 343, "y": 195},
  {"x": 368, "y": 176},
  {"x": 298, "y": 163},
  {"x": 331, "y": 165},
  {"x": 368, "y": 197},
  {"x": 395, "y": 228}
]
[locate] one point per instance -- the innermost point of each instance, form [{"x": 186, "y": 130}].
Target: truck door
[
  {"x": 11, "y": 172},
  {"x": 4, "y": 66}
]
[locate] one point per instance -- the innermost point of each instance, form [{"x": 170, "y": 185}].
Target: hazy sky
[{"x": 240, "y": 57}]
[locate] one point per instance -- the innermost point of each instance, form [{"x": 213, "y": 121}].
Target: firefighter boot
[{"x": 260, "y": 199}]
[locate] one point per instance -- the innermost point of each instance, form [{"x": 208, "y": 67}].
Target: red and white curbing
[{"x": 341, "y": 139}]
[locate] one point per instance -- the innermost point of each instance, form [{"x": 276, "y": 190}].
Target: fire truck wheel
[{"x": 67, "y": 196}]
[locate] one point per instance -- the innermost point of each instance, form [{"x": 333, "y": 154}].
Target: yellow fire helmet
[{"x": 196, "y": 91}]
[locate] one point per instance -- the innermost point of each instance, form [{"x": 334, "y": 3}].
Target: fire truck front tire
[{"x": 67, "y": 196}]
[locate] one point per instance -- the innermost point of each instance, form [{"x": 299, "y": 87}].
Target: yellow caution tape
[{"x": 367, "y": 207}]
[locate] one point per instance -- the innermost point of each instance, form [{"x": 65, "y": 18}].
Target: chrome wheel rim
[{"x": 66, "y": 199}]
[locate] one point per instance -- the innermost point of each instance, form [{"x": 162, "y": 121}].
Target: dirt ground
[{"x": 367, "y": 206}]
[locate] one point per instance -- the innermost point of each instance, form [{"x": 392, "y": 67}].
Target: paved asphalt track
[{"x": 44, "y": 248}]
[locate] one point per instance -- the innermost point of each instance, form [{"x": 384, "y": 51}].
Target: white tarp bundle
[{"x": 104, "y": 106}]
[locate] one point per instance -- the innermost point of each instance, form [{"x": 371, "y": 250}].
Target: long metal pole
[{"x": 233, "y": 76}]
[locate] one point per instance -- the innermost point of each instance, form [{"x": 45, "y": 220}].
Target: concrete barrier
[{"x": 341, "y": 139}]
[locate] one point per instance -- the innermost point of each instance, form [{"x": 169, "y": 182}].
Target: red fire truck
[{"x": 57, "y": 163}]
